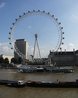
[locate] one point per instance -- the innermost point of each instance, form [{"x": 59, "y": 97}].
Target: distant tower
[
  {"x": 21, "y": 44},
  {"x": 36, "y": 45}
]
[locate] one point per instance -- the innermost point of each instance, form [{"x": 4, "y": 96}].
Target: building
[
  {"x": 21, "y": 45},
  {"x": 64, "y": 58}
]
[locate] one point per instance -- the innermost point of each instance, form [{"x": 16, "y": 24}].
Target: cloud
[
  {"x": 2, "y": 4},
  {"x": 5, "y": 50},
  {"x": 70, "y": 47}
]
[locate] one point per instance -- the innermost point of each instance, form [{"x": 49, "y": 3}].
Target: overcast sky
[{"x": 65, "y": 10}]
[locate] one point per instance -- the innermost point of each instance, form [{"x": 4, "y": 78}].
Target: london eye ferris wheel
[{"x": 44, "y": 25}]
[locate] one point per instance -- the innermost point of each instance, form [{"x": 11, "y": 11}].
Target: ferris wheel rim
[{"x": 38, "y": 12}]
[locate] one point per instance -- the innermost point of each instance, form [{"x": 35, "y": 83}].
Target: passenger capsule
[
  {"x": 63, "y": 37},
  {"x": 56, "y": 19},
  {"x": 62, "y": 32},
  {"x": 9, "y": 32},
  {"x": 33, "y": 10},
  {"x": 48, "y": 13},
  {"x": 11, "y": 48},
  {"x": 13, "y": 23},
  {"x": 10, "y": 43},
  {"x": 38, "y": 10},
  {"x": 16, "y": 19},
  {"x": 52, "y": 15},
  {"x": 23, "y": 13},
  {"x": 28, "y": 11},
  {"x": 11, "y": 28},
  {"x": 59, "y": 23},
  {"x": 9, "y": 38},
  {"x": 20, "y": 16},
  {"x": 43, "y": 11},
  {"x": 61, "y": 27}
]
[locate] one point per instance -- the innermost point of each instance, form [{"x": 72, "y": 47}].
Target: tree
[
  {"x": 1, "y": 59},
  {"x": 6, "y": 61},
  {"x": 13, "y": 60}
]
